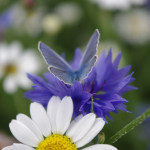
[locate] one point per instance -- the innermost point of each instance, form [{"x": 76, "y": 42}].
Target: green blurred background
[{"x": 67, "y": 24}]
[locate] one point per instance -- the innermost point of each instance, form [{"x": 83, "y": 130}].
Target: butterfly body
[
  {"x": 72, "y": 75},
  {"x": 61, "y": 69}
]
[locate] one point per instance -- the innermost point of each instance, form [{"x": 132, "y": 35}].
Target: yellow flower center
[
  {"x": 10, "y": 69},
  {"x": 56, "y": 142}
]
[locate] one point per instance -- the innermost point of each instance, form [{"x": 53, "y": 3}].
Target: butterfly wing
[
  {"x": 60, "y": 68},
  {"x": 89, "y": 58},
  {"x": 87, "y": 69},
  {"x": 56, "y": 63},
  {"x": 66, "y": 77},
  {"x": 52, "y": 58}
]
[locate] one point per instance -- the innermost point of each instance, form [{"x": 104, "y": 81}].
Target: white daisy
[
  {"x": 53, "y": 129},
  {"x": 14, "y": 64}
]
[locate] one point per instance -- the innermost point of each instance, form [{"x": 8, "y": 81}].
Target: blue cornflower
[
  {"x": 100, "y": 92},
  {"x": 6, "y": 19},
  {"x": 43, "y": 90},
  {"x": 107, "y": 84}
]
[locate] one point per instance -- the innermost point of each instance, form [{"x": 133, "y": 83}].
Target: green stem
[
  {"x": 129, "y": 127},
  {"x": 92, "y": 104}
]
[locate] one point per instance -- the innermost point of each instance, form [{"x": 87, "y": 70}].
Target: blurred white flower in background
[
  {"x": 70, "y": 13},
  {"x": 18, "y": 14},
  {"x": 14, "y": 64},
  {"x": 12, "y": 17},
  {"x": 52, "y": 23},
  {"x": 138, "y": 2},
  {"x": 112, "y": 4},
  {"x": 63, "y": 14},
  {"x": 18, "y": 18},
  {"x": 33, "y": 22},
  {"x": 29, "y": 22},
  {"x": 134, "y": 26},
  {"x": 117, "y": 4}
]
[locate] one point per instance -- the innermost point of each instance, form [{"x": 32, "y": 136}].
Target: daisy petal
[
  {"x": 100, "y": 147},
  {"x": 64, "y": 115},
  {"x": 39, "y": 116},
  {"x": 75, "y": 121},
  {"x": 30, "y": 61},
  {"x": 10, "y": 84},
  {"x": 82, "y": 127},
  {"x": 12, "y": 147},
  {"x": 51, "y": 111},
  {"x": 31, "y": 125},
  {"x": 23, "y": 133},
  {"x": 97, "y": 127},
  {"x": 4, "y": 53},
  {"x": 22, "y": 147},
  {"x": 15, "y": 51}
]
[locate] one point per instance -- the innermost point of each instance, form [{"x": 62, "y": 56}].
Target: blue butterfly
[{"x": 61, "y": 69}]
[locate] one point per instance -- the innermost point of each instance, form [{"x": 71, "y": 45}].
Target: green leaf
[{"x": 129, "y": 127}]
